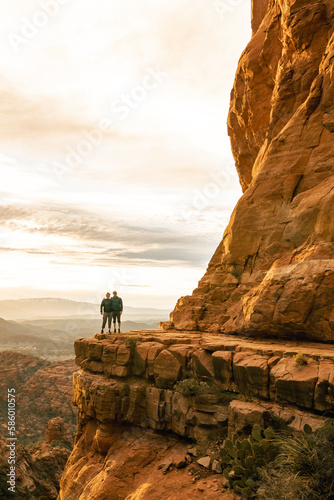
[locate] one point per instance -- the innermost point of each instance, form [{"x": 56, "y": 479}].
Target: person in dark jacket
[
  {"x": 106, "y": 311},
  {"x": 117, "y": 309}
]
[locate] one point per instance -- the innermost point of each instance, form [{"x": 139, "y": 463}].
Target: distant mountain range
[
  {"x": 53, "y": 339},
  {"x": 24, "y": 309},
  {"x": 47, "y": 327}
]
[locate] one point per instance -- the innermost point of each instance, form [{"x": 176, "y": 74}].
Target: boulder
[
  {"x": 94, "y": 349},
  {"x": 324, "y": 389},
  {"x": 204, "y": 462},
  {"x": 243, "y": 415},
  {"x": 109, "y": 353},
  {"x": 202, "y": 364},
  {"x": 154, "y": 349},
  {"x": 222, "y": 364},
  {"x": 181, "y": 352},
  {"x": 140, "y": 358},
  {"x": 180, "y": 460},
  {"x": 58, "y": 430},
  {"x": 216, "y": 467},
  {"x": 123, "y": 355},
  {"x": 294, "y": 383},
  {"x": 251, "y": 374},
  {"x": 166, "y": 370}
]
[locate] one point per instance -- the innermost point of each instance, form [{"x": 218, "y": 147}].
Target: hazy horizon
[{"x": 115, "y": 162}]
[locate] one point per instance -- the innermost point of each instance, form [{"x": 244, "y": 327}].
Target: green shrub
[
  {"x": 300, "y": 359},
  {"x": 276, "y": 482},
  {"x": 191, "y": 387},
  {"x": 309, "y": 459},
  {"x": 243, "y": 458}
]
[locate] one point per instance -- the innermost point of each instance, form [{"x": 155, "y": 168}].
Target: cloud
[
  {"x": 23, "y": 116},
  {"x": 131, "y": 200},
  {"x": 88, "y": 238}
]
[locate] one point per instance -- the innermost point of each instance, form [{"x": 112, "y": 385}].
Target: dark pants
[
  {"x": 107, "y": 316},
  {"x": 116, "y": 315}
]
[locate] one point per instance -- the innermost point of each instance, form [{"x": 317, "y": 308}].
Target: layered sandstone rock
[
  {"x": 273, "y": 272},
  {"x": 133, "y": 416},
  {"x": 263, "y": 369}
]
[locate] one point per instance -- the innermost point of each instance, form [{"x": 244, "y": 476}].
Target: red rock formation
[
  {"x": 58, "y": 430},
  {"x": 38, "y": 470},
  {"x": 273, "y": 272},
  {"x": 132, "y": 418},
  {"x": 43, "y": 391},
  {"x": 116, "y": 463}
]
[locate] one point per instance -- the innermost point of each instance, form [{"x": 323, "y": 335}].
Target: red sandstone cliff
[{"x": 273, "y": 272}]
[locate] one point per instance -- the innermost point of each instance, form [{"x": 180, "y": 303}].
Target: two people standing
[{"x": 111, "y": 309}]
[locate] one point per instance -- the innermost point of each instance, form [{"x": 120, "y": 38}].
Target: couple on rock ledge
[{"x": 111, "y": 308}]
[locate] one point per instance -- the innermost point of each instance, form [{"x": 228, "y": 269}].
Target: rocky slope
[
  {"x": 273, "y": 272},
  {"x": 135, "y": 423},
  {"x": 43, "y": 390},
  {"x": 38, "y": 469}
]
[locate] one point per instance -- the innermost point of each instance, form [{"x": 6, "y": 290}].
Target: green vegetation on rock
[
  {"x": 303, "y": 468},
  {"x": 300, "y": 359},
  {"x": 244, "y": 457},
  {"x": 191, "y": 387}
]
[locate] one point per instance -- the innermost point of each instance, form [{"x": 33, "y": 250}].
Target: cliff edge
[
  {"x": 273, "y": 272},
  {"x": 153, "y": 403}
]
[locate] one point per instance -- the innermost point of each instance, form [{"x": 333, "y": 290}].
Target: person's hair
[
  {"x": 114, "y": 291},
  {"x": 107, "y": 293}
]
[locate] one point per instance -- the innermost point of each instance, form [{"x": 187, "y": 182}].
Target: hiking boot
[
  {"x": 119, "y": 330},
  {"x": 114, "y": 330},
  {"x": 109, "y": 331},
  {"x": 102, "y": 330}
]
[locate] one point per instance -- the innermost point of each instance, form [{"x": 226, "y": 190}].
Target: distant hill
[
  {"x": 53, "y": 339},
  {"x": 38, "y": 308},
  {"x": 33, "y": 339}
]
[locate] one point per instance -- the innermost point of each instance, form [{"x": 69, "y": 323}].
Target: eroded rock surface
[
  {"x": 43, "y": 391},
  {"x": 263, "y": 369},
  {"x": 133, "y": 418},
  {"x": 273, "y": 272}
]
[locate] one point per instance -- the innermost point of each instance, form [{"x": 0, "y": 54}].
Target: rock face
[
  {"x": 273, "y": 272},
  {"x": 58, "y": 430},
  {"x": 38, "y": 469},
  {"x": 263, "y": 369},
  {"x": 135, "y": 407}
]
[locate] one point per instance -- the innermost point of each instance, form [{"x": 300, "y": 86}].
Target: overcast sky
[{"x": 116, "y": 169}]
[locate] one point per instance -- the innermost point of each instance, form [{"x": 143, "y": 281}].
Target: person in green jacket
[
  {"x": 117, "y": 309},
  {"x": 106, "y": 311}
]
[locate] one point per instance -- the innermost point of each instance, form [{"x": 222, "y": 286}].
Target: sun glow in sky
[{"x": 116, "y": 170}]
